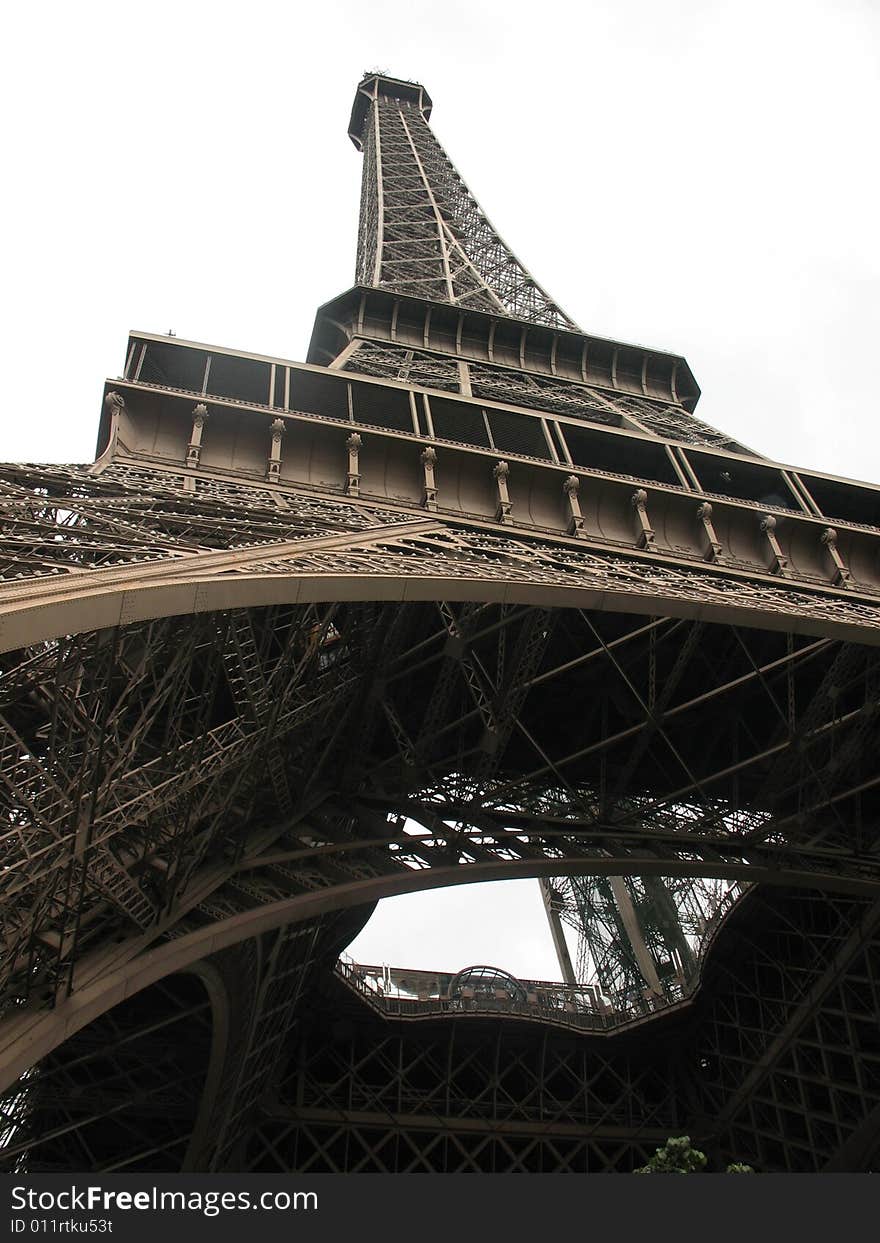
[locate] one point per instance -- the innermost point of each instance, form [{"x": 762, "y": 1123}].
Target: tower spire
[{"x": 422, "y": 232}]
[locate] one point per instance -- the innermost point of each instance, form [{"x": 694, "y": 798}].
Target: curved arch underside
[
  {"x": 87, "y": 548},
  {"x": 245, "y": 694},
  {"x": 217, "y": 722},
  {"x": 775, "y": 1061},
  {"x": 407, "y": 560},
  {"x": 225, "y": 774},
  {"x": 123, "y": 1094}
]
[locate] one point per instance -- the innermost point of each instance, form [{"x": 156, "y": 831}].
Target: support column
[
  {"x": 353, "y": 478},
  {"x": 429, "y": 461},
  {"x": 840, "y": 575},
  {"x": 501, "y": 473},
  {"x": 551, "y": 906},
  {"x": 634, "y": 932},
  {"x": 779, "y": 563},
  {"x": 571, "y": 487},
  {"x": 644, "y": 531},
  {"x": 704, "y": 516},
  {"x": 194, "y": 449},
  {"x": 273, "y": 466}
]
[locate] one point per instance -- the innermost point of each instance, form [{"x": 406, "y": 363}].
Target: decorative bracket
[
  {"x": 779, "y": 563},
  {"x": 194, "y": 449},
  {"x": 704, "y": 515},
  {"x": 501, "y": 472},
  {"x": 644, "y": 533},
  {"x": 273, "y": 466},
  {"x": 353, "y": 478},
  {"x": 841, "y": 576},
  {"x": 571, "y": 487},
  {"x": 429, "y": 461},
  {"x": 115, "y": 405}
]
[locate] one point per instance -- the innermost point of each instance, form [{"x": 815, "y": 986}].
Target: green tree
[{"x": 678, "y": 1157}]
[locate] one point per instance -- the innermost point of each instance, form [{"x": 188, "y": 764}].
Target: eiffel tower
[{"x": 469, "y": 595}]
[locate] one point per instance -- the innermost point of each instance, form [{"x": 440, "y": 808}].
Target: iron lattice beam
[
  {"x": 422, "y": 232},
  {"x": 589, "y": 638}
]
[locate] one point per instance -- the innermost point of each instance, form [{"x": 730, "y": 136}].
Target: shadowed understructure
[{"x": 468, "y": 595}]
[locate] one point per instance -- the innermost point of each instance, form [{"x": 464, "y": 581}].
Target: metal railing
[{"x": 418, "y": 994}]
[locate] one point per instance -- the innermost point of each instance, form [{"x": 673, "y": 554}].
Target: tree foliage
[{"x": 677, "y": 1156}]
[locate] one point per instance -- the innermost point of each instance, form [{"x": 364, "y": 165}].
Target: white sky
[{"x": 692, "y": 175}]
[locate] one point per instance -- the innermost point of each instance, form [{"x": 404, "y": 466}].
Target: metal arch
[
  {"x": 124, "y": 1092},
  {"x": 190, "y": 635},
  {"x": 173, "y": 813},
  {"x": 381, "y": 565},
  {"x": 743, "y": 1070},
  {"x": 26, "y": 1039},
  {"x": 220, "y": 995},
  {"x": 772, "y": 1069}
]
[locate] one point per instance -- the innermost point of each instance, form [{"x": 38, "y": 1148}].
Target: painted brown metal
[{"x": 468, "y": 565}]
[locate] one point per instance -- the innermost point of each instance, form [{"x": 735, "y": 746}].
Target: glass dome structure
[{"x": 485, "y": 984}]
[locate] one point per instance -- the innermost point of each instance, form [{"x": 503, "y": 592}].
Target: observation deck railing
[{"x": 417, "y": 994}]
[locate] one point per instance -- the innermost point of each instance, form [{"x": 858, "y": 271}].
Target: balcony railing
[{"x": 418, "y": 994}]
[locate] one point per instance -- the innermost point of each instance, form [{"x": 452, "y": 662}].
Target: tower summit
[
  {"x": 422, "y": 232},
  {"x": 374, "y": 85}
]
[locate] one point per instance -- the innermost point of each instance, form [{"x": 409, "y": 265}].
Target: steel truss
[
  {"x": 776, "y": 1061},
  {"x": 788, "y": 1052},
  {"x": 472, "y": 1096},
  {"x": 171, "y": 1078},
  {"x": 521, "y": 388},
  {"x": 123, "y": 1094},
  {"x": 639, "y": 936},
  {"x": 422, "y": 232},
  {"x": 173, "y": 748},
  {"x": 779, "y": 1064},
  {"x": 229, "y": 677}
]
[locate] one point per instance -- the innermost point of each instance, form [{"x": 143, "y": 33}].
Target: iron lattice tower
[
  {"x": 422, "y": 232},
  {"x": 472, "y": 568}
]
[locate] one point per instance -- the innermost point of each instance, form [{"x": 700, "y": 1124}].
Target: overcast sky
[{"x": 694, "y": 176}]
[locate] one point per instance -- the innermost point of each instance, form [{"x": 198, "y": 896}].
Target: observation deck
[
  {"x": 482, "y": 991},
  {"x": 373, "y": 84}
]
